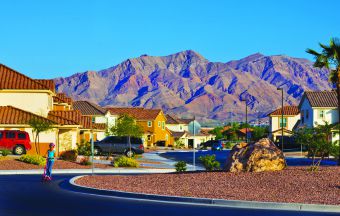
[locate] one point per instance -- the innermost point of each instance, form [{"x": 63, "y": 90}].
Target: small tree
[
  {"x": 318, "y": 142},
  {"x": 217, "y": 131},
  {"x": 127, "y": 126},
  {"x": 39, "y": 125}
]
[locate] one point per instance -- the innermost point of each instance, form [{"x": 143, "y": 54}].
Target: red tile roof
[
  {"x": 287, "y": 110},
  {"x": 11, "y": 79},
  {"x": 99, "y": 126},
  {"x": 60, "y": 120},
  {"x": 136, "y": 112},
  {"x": 13, "y": 116},
  {"x": 49, "y": 83},
  {"x": 75, "y": 117},
  {"x": 244, "y": 130},
  {"x": 88, "y": 108},
  {"x": 321, "y": 98},
  {"x": 62, "y": 98}
]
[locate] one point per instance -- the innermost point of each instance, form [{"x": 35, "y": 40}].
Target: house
[
  {"x": 98, "y": 115},
  {"x": 179, "y": 129},
  {"x": 27, "y": 94},
  {"x": 318, "y": 107},
  {"x": 291, "y": 117},
  {"x": 151, "y": 120},
  {"x": 23, "y": 98}
]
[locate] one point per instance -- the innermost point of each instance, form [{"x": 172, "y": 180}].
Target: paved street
[
  {"x": 221, "y": 156},
  {"x": 26, "y": 195}
]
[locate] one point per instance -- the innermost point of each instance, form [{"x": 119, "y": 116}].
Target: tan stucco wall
[{"x": 38, "y": 103}]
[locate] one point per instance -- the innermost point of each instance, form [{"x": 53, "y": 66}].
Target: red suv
[{"x": 16, "y": 141}]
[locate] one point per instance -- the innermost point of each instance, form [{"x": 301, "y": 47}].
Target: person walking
[{"x": 50, "y": 155}]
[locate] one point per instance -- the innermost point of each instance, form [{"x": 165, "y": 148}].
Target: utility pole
[{"x": 281, "y": 89}]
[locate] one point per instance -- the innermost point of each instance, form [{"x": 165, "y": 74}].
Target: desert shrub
[
  {"x": 33, "y": 159},
  {"x": 124, "y": 161},
  {"x": 179, "y": 144},
  {"x": 69, "y": 155},
  {"x": 84, "y": 148},
  {"x": 209, "y": 162},
  {"x": 181, "y": 166},
  {"x": 85, "y": 161},
  {"x": 5, "y": 152},
  {"x": 229, "y": 145}
]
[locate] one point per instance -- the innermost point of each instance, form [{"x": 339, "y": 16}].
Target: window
[
  {"x": 159, "y": 124},
  {"x": 163, "y": 125},
  {"x": 0, "y": 135},
  {"x": 149, "y": 137},
  {"x": 93, "y": 119},
  {"x": 21, "y": 136},
  {"x": 10, "y": 135},
  {"x": 307, "y": 114},
  {"x": 283, "y": 123},
  {"x": 302, "y": 117},
  {"x": 180, "y": 127},
  {"x": 149, "y": 123},
  {"x": 135, "y": 140},
  {"x": 166, "y": 137},
  {"x": 322, "y": 114}
]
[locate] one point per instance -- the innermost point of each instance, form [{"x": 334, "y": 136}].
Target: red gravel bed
[
  {"x": 292, "y": 185},
  {"x": 59, "y": 164}
]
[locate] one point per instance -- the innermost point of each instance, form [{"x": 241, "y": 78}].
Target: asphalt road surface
[
  {"x": 221, "y": 156},
  {"x": 26, "y": 195}
]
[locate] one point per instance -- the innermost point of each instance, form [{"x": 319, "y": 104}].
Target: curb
[
  {"x": 206, "y": 201},
  {"x": 86, "y": 171}
]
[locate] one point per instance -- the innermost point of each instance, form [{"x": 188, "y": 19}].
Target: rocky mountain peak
[{"x": 186, "y": 84}]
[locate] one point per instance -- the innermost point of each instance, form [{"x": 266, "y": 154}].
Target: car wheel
[
  {"x": 129, "y": 153},
  {"x": 96, "y": 151},
  {"x": 19, "y": 150}
]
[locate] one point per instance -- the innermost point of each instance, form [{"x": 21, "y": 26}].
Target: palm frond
[
  {"x": 321, "y": 61},
  {"x": 335, "y": 44},
  {"x": 313, "y": 52},
  {"x": 327, "y": 50},
  {"x": 333, "y": 76}
]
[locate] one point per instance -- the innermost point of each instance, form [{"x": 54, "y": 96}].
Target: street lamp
[
  {"x": 281, "y": 89},
  {"x": 246, "y": 119}
]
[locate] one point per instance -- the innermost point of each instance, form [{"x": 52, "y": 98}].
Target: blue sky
[{"x": 47, "y": 39}]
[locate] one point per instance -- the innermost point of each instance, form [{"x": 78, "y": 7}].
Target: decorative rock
[{"x": 255, "y": 157}]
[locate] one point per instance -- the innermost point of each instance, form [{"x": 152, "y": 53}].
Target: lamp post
[
  {"x": 281, "y": 89},
  {"x": 245, "y": 100}
]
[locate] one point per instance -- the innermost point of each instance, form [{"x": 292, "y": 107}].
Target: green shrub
[
  {"x": 124, "y": 161},
  {"x": 85, "y": 161},
  {"x": 33, "y": 159},
  {"x": 229, "y": 145},
  {"x": 84, "y": 148},
  {"x": 179, "y": 144},
  {"x": 209, "y": 162},
  {"x": 181, "y": 166},
  {"x": 5, "y": 152},
  {"x": 69, "y": 155}
]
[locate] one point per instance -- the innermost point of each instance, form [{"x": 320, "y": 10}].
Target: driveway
[{"x": 26, "y": 195}]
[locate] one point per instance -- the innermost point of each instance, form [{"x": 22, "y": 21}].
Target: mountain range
[{"x": 187, "y": 84}]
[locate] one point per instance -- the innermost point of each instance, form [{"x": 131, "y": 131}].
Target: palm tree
[{"x": 329, "y": 58}]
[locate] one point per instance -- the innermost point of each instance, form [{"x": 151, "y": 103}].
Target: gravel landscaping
[
  {"x": 12, "y": 164},
  {"x": 291, "y": 185}
]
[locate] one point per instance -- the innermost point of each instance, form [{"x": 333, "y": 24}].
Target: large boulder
[{"x": 255, "y": 157}]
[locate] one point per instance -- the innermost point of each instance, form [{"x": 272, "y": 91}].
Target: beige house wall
[{"x": 39, "y": 103}]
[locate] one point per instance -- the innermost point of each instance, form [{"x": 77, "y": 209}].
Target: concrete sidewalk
[{"x": 87, "y": 171}]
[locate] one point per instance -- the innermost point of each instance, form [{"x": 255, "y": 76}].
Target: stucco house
[
  {"x": 291, "y": 117},
  {"x": 179, "y": 129},
  {"x": 318, "y": 107},
  {"x": 152, "y": 122},
  {"x": 23, "y": 98}
]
